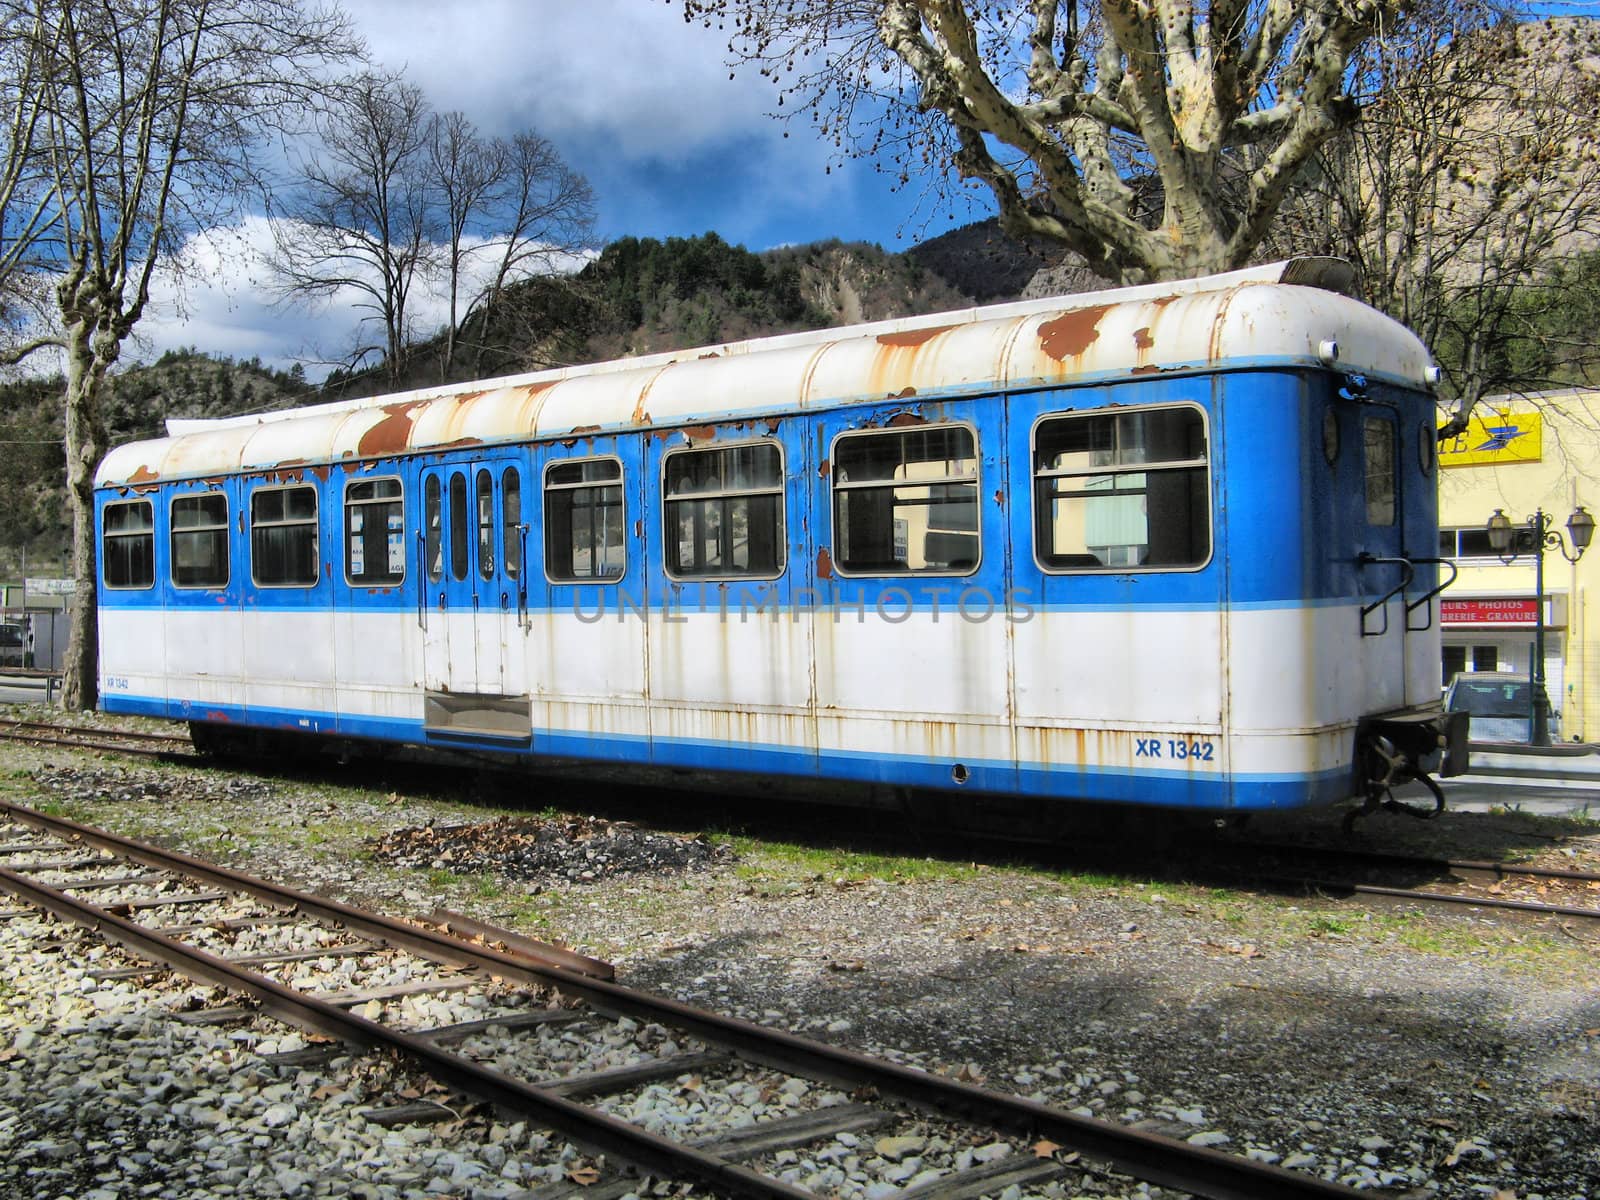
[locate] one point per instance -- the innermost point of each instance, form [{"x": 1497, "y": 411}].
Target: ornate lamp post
[{"x": 1509, "y": 540}]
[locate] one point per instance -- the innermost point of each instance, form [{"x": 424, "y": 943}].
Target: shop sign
[
  {"x": 1524, "y": 611},
  {"x": 1494, "y": 438}
]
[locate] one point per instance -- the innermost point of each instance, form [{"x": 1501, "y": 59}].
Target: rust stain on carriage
[
  {"x": 912, "y": 338},
  {"x": 1142, "y": 338},
  {"x": 700, "y": 433},
  {"x": 392, "y": 435},
  {"x": 824, "y": 563},
  {"x": 902, "y": 419},
  {"x": 143, "y": 474},
  {"x": 824, "y": 469},
  {"x": 1070, "y": 334}
]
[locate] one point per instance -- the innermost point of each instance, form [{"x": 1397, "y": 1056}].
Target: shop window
[
  {"x": 906, "y": 501},
  {"x": 1486, "y": 658},
  {"x": 128, "y": 544},
  {"x": 374, "y": 533},
  {"x": 584, "y": 520},
  {"x": 1455, "y": 662},
  {"x": 283, "y": 537},
  {"x": 724, "y": 512},
  {"x": 1122, "y": 490},
  {"x": 1470, "y": 541},
  {"x": 199, "y": 541}
]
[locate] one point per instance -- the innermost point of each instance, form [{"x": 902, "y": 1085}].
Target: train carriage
[{"x": 1166, "y": 546}]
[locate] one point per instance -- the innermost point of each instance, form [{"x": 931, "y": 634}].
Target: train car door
[
  {"x": 1375, "y": 510},
  {"x": 473, "y": 551},
  {"x": 588, "y": 566},
  {"x": 1118, "y": 557}
]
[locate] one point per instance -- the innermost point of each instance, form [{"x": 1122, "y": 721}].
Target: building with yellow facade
[{"x": 1523, "y": 455}]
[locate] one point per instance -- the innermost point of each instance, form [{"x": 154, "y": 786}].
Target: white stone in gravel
[
  {"x": 1190, "y": 1116},
  {"x": 991, "y": 1152},
  {"x": 882, "y": 1191},
  {"x": 1375, "y": 1143},
  {"x": 840, "y": 1026},
  {"x": 896, "y": 1148},
  {"x": 1212, "y": 1137},
  {"x": 1296, "y": 1161},
  {"x": 1257, "y": 1154},
  {"x": 277, "y": 1115}
]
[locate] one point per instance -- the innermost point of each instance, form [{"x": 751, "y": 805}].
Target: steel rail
[
  {"x": 1373, "y": 889},
  {"x": 85, "y": 743},
  {"x": 137, "y": 735},
  {"x": 519, "y": 962},
  {"x": 1147, "y": 1156},
  {"x": 1423, "y": 860},
  {"x": 587, "y": 1126}
]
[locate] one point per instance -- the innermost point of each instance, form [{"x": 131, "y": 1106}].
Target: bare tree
[
  {"x": 128, "y": 125},
  {"x": 396, "y": 197},
  {"x": 1060, "y": 108},
  {"x": 544, "y": 214},
  {"x": 467, "y": 170},
  {"x": 1472, "y": 178},
  {"x": 362, "y": 220}
]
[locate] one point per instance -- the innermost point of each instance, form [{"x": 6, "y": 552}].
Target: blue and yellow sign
[{"x": 1496, "y": 437}]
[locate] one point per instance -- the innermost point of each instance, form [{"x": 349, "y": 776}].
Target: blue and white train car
[{"x": 1166, "y": 546}]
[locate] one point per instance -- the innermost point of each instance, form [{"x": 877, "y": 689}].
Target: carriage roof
[{"x": 1284, "y": 314}]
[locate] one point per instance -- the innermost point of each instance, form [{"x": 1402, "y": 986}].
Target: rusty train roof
[{"x": 1285, "y": 313}]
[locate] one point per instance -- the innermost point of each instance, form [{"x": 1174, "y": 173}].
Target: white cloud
[
  {"x": 631, "y": 76},
  {"x": 223, "y": 300}
]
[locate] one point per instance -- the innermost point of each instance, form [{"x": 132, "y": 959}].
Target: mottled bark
[{"x": 1154, "y": 138}]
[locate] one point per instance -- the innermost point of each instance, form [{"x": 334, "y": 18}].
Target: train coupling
[{"x": 1416, "y": 746}]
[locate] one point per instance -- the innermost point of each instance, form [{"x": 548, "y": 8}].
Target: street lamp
[{"x": 1509, "y": 540}]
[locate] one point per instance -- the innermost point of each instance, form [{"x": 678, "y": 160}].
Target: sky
[{"x": 633, "y": 97}]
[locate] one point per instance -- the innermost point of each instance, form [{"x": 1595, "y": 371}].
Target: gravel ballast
[{"x": 1447, "y": 1054}]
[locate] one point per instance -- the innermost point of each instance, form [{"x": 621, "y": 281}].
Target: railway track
[
  {"x": 250, "y": 936},
  {"x": 1428, "y": 880},
  {"x": 1443, "y": 881},
  {"x": 77, "y": 737}
]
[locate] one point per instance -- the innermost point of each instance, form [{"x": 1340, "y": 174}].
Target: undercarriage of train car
[{"x": 1405, "y": 748}]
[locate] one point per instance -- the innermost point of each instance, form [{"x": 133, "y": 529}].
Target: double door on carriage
[{"x": 473, "y": 548}]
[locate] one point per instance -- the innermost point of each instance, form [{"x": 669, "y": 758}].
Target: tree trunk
[{"x": 85, "y": 444}]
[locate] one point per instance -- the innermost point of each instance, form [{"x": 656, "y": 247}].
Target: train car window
[
  {"x": 283, "y": 537},
  {"x": 199, "y": 541},
  {"x": 128, "y": 536},
  {"x": 1378, "y": 441},
  {"x": 484, "y": 493},
  {"x": 374, "y": 532},
  {"x": 584, "y": 520},
  {"x": 433, "y": 529},
  {"x": 511, "y": 519},
  {"x": 1122, "y": 491},
  {"x": 724, "y": 512},
  {"x": 458, "y": 526},
  {"x": 906, "y": 501}
]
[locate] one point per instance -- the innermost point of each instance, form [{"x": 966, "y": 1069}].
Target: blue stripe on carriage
[{"x": 1150, "y": 788}]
